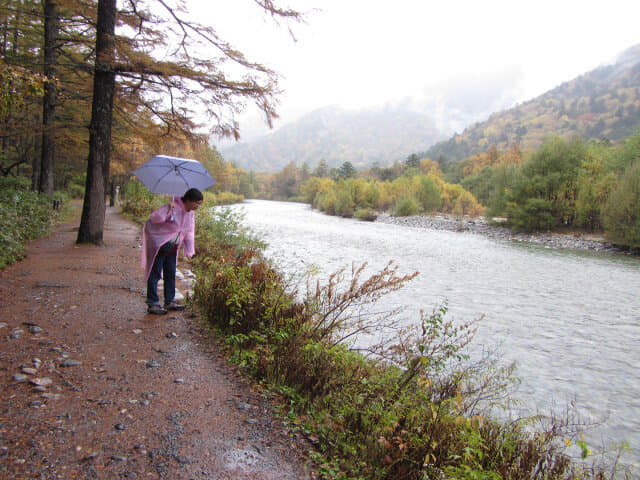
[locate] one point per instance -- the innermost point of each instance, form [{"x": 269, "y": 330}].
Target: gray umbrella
[{"x": 173, "y": 175}]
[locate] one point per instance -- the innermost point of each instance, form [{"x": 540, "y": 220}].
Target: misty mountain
[
  {"x": 601, "y": 104},
  {"x": 336, "y": 136}
]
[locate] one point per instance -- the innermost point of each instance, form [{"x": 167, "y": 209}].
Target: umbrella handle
[{"x": 171, "y": 203}]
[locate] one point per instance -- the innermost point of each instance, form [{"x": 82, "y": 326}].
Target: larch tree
[
  {"x": 93, "y": 208},
  {"x": 51, "y": 25},
  {"x": 167, "y": 89},
  {"x": 20, "y": 28},
  {"x": 48, "y": 40}
]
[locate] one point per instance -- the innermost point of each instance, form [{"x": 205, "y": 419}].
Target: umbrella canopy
[{"x": 173, "y": 175}]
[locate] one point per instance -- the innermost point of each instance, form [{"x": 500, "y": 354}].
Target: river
[{"x": 570, "y": 319}]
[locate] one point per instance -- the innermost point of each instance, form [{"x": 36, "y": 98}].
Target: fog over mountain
[
  {"x": 336, "y": 135},
  {"x": 391, "y": 132},
  {"x": 377, "y": 135}
]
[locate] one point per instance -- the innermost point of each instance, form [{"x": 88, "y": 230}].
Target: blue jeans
[{"x": 165, "y": 265}]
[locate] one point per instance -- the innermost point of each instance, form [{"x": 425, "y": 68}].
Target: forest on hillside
[{"x": 603, "y": 104}]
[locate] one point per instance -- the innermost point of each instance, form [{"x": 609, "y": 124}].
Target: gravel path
[{"x": 95, "y": 388}]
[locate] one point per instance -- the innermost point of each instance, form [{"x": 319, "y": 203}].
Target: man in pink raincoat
[{"x": 170, "y": 227}]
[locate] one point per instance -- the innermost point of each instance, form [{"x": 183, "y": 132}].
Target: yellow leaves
[
  {"x": 429, "y": 167},
  {"x": 425, "y": 382}
]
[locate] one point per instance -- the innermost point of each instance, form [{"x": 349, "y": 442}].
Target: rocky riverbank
[{"x": 481, "y": 226}]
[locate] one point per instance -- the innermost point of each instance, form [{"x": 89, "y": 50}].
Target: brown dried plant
[{"x": 337, "y": 314}]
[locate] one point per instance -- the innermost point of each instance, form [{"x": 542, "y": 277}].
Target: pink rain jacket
[{"x": 160, "y": 228}]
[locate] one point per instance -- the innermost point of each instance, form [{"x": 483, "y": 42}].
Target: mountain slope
[
  {"x": 337, "y": 136},
  {"x": 603, "y": 103}
]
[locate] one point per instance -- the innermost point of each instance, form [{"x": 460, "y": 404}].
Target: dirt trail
[{"x": 94, "y": 387}]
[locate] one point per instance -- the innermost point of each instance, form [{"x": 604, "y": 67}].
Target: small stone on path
[
  {"x": 41, "y": 382},
  {"x": 71, "y": 363},
  {"x": 51, "y": 396},
  {"x": 16, "y": 333}
]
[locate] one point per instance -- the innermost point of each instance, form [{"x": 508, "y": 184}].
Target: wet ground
[{"x": 94, "y": 387}]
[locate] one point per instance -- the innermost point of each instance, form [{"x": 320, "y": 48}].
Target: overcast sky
[{"x": 365, "y": 53}]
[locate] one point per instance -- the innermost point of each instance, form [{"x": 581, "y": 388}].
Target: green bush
[
  {"x": 535, "y": 214},
  {"x": 76, "y": 186},
  {"x": 326, "y": 202},
  {"x": 24, "y": 215},
  {"x": 366, "y": 214},
  {"x": 429, "y": 195},
  {"x": 344, "y": 205},
  {"x": 138, "y": 202},
  {"x": 405, "y": 206}
]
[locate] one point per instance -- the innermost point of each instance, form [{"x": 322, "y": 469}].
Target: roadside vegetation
[
  {"x": 25, "y": 215},
  {"x": 415, "y": 406},
  {"x": 412, "y": 407}
]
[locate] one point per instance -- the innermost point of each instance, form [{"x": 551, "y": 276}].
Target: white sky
[{"x": 364, "y": 53}]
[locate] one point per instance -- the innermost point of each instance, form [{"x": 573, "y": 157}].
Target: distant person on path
[{"x": 170, "y": 227}]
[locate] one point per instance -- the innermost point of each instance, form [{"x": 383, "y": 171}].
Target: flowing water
[{"x": 569, "y": 319}]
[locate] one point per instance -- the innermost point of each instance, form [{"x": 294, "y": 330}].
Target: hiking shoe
[
  {"x": 156, "y": 310},
  {"x": 175, "y": 306}
]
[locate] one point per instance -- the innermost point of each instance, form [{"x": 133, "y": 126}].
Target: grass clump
[{"x": 413, "y": 407}]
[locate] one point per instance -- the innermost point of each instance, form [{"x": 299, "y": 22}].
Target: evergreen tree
[
  {"x": 347, "y": 170},
  {"x": 322, "y": 170}
]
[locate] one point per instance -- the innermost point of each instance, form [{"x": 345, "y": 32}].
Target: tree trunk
[
  {"x": 93, "y": 209},
  {"x": 49, "y": 100}
]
